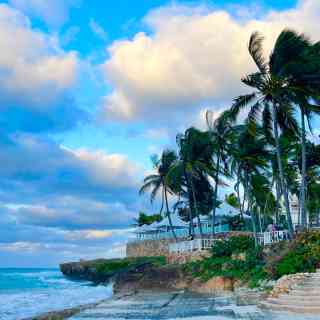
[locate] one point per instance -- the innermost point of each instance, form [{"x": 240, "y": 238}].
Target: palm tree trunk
[
  {"x": 162, "y": 201},
  {"x": 215, "y": 195},
  {"x": 282, "y": 184},
  {"x": 254, "y": 229},
  {"x": 250, "y": 209},
  {"x": 277, "y": 202},
  {"x": 196, "y": 208},
  {"x": 260, "y": 222},
  {"x": 238, "y": 196},
  {"x": 303, "y": 171},
  {"x": 169, "y": 214},
  {"x": 191, "y": 227}
]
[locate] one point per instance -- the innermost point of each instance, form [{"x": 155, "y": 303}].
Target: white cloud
[
  {"x": 194, "y": 56},
  {"x": 115, "y": 169},
  {"x": 34, "y": 70},
  {"x": 90, "y": 217},
  {"x": 53, "y": 12},
  {"x": 98, "y": 30}
]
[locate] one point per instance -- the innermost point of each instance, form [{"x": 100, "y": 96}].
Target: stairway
[{"x": 304, "y": 298}]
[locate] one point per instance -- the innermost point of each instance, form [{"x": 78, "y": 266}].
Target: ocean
[{"x": 28, "y": 292}]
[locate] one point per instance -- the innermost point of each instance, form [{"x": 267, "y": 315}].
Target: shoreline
[{"x": 70, "y": 312}]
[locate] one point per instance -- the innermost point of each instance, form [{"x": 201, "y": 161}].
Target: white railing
[
  {"x": 191, "y": 245},
  {"x": 267, "y": 238}
]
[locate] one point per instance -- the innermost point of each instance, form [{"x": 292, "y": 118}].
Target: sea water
[{"x": 28, "y": 292}]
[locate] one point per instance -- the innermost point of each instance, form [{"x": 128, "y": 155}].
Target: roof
[
  {"x": 176, "y": 222},
  {"x": 225, "y": 210}
]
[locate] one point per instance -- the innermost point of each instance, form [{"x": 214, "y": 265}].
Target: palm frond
[
  {"x": 289, "y": 46},
  {"x": 146, "y": 187},
  {"x": 256, "y": 51},
  {"x": 155, "y": 191},
  {"x": 240, "y": 103}
]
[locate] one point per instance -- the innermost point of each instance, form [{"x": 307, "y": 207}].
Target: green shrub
[
  {"x": 234, "y": 258},
  {"x": 232, "y": 245},
  {"x": 237, "y": 258},
  {"x": 304, "y": 257},
  {"x": 114, "y": 265}
]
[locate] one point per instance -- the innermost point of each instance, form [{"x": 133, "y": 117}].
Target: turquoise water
[{"x": 28, "y": 292}]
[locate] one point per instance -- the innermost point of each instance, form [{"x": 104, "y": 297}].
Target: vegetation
[
  {"x": 267, "y": 155},
  {"x": 239, "y": 259},
  {"x": 112, "y": 266},
  {"x": 145, "y": 219},
  {"x": 235, "y": 258}
]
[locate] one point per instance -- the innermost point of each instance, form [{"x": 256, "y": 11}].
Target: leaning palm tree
[
  {"x": 249, "y": 163},
  {"x": 157, "y": 182},
  {"x": 273, "y": 99},
  {"x": 303, "y": 72},
  {"x": 221, "y": 133},
  {"x": 190, "y": 172}
]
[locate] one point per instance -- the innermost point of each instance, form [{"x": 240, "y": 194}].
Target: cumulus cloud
[
  {"x": 36, "y": 167},
  {"x": 32, "y": 64},
  {"x": 76, "y": 213},
  {"x": 54, "y": 13},
  {"x": 193, "y": 57},
  {"x": 36, "y": 77}
]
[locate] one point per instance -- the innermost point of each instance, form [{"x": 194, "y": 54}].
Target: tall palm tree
[
  {"x": 221, "y": 132},
  {"x": 272, "y": 100},
  {"x": 303, "y": 72},
  {"x": 157, "y": 182}
]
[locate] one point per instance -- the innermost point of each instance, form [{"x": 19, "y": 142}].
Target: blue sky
[{"x": 90, "y": 89}]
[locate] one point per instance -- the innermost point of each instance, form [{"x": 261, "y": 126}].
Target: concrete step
[
  {"x": 306, "y": 292},
  {"x": 293, "y": 298},
  {"x": 306, "y": 288},
  {"x": 295, "y": 302},
  {"x": 290, "y": 308}
]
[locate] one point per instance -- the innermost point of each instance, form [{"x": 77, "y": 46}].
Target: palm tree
[
  {"x": 303, "y": 73},
  {"x": 273, "y": 98},
  {"x": 190, "y": 172},
  {"x": 221, "y": 132},
  {"x": 249, "y": 163},
  {"x": 157, "y": 182}
]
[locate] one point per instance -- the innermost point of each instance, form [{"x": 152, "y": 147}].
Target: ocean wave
[{"x": 26, "y": 296}]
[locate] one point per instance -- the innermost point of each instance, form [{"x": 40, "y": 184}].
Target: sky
[{"x": 90, "y": 89}]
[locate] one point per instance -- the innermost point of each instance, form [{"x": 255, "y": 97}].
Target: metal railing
[
  {"x": 267, "y": 238},
  {"x": 191, "y": 245}
]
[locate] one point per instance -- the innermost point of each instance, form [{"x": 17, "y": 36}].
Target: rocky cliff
[
  {"x": 137, "y": 275},
  {"x": 86, "y": 270}
]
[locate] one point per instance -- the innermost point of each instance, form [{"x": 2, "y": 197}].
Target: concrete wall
[
  {"x": 153, "y": 248},
  {"x": 149, "y": 248}
]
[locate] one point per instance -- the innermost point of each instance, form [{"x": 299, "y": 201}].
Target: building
[{"x": 154, "y": 239}]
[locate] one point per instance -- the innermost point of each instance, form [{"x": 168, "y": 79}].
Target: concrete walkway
[
  {"x": 304, "y": 298},
  {"x": 165, "y": 306}
]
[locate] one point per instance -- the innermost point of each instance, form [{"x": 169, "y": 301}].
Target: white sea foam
[{"x": 41, "y": 292}]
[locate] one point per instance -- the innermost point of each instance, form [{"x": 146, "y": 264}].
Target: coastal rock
[
  {"x": 148, "y": 277},
  {"x": 212, "y": 286},
  {"x": 84, "y": 270},
  {"x": 182, "y": 258},
  {"x": 285, "y": 284}
]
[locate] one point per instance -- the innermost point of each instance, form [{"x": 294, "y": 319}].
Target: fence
[
  {"x": 267, "y": 238},
  {"x": 192, "y": 245}
]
